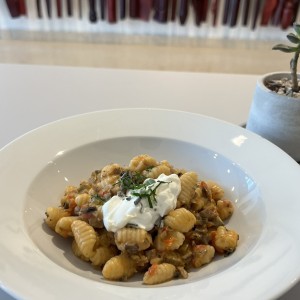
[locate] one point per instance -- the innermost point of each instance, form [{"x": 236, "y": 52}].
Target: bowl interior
[{"x": 71, "y": 166}]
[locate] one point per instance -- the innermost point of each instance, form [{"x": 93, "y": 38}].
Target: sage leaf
[
  {"x": 285, "y": 48},
  {"x": 293, "y": 38},
  {"x": 297, "y": 28}
]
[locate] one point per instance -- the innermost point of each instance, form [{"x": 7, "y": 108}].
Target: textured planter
[{"x": 276, "y": 117}]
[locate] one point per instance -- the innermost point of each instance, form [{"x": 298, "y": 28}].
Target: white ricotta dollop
[{"x": 131, "y": 209}]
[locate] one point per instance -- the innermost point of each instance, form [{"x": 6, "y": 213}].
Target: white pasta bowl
[{"x": 260, "y": 179}]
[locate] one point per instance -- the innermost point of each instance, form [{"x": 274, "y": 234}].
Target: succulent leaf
[
  {"x": 285, "y": 48},
  {"x": 293, "y": 38},
  {"x": 297, "y": 28}
]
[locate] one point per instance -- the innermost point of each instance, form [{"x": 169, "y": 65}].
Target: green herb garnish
[
  {"x": 140, "y": 187},
  {"x": 130, "y": 181},
  {"x": 146, "y": 192},
  {"x": 97, "y": 200}
]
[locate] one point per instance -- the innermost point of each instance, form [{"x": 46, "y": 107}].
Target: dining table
[{"x": 35, "y": 95}]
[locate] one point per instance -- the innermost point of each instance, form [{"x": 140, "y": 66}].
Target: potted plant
[{"x": 275, "y": 108}]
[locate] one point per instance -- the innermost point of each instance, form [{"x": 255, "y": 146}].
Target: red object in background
[
  {"x": 204, "y": 10},
  {"x": 214, "y": 10},
  {"x": 13, "y": 7},
  {"x": 278, "y": 13},
  {"x": 145, "y": 8},
  {"x": 58, "y": 8},
  {"x": 287, "y": 14},
  {"x": 268, "y": 11},
  {"x": 111, "y": 11},
  {"x": 16, "y": 8},
  {"x": 173, "y": 9},
  {"x": 134, "y": 10},
  {"x": 197, "y": 10},
  {"x": 22, "y": 7},
  {"x": 200, "y": 8}
]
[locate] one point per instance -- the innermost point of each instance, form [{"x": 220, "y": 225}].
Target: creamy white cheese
[{"x": 130, "y": 209}]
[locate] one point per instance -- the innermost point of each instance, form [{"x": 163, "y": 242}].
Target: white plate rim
[{"x": 266, "y": 157}]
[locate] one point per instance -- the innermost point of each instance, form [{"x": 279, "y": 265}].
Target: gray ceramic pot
[{"x": 276, "y": 117}]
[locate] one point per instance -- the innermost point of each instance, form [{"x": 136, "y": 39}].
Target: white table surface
[{"x": 31, "y": 96}]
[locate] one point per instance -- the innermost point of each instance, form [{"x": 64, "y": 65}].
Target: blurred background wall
[{"x": 229, "y": 36}]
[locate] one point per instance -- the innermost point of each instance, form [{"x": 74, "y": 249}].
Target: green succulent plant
[{"x": 295, "y": 39}]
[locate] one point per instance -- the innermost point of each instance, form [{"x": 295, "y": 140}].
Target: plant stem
[{"x": 294, "y": 62}]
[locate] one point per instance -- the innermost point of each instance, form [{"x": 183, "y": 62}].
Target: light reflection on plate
[{"x": 36, "y": 168}]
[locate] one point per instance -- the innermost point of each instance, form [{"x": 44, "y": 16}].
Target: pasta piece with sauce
[
  {"x": 109, "y": 176},
  {"x": 105, "y": 238},
  {"x": 142, "y": 162},
  {"x": 225, "y": 209},
  {"x": 168, "y": 239},
  {"x": 159, "y": 273},
  {"x": 102, "y": 255},
  {"x": 82, "y": 199},
  {"x": 180, "y": 219},
  {"x": 77, "y": 251},
  {"x": 111, "y": 173},
  {"x": 202, "y": 254},
  {"x": 186, "y": 226},
  {"x": 156, "y": 171},
  {"x": 63, "y": 226},
  {"x": 68, "y": 200},
  {"x": 199, "y": 200},
  {"x": 224, "y": 240},
  {"x": 53, "y": 214},
  {"x": 119, "y": 267},
  {"x": 85, "y": 237},
  {"x": 188, "y": 182},
  {"x": 216, "y": 191},
  {"x": 132, "y": 239}
]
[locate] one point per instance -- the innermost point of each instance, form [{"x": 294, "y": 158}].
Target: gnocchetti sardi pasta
[{"x": 146, "y": 217}]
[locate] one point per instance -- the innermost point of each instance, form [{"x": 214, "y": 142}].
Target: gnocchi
[
  {"x": 186, "y": 235},
  {"x": 159, "y": 273}
]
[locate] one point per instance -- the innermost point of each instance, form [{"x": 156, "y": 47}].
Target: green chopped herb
[
  {"x": 140, "y": 187},
  {"x": 130, "y": 181},
  {"x": 148, "y": 193},
  {"x": 97, "y": 200}
]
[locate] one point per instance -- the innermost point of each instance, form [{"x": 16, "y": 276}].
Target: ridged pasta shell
[
  {"x": 168, "y": 239},
  {"x": 119, "y": 267},
  {"x": 141, "y": 162},
  {"x": 180, "y": 219},
  {"x": 85, "y": 237},
  {"x": 53, "y": 214},
  {"x": 202, "y": 254},
  {"x": 102, "y": 255},
  {"x": 188, "y": 182},
  {"x": 159, "y": 273},
  {"x": 63, "y": 226},
  {"x": 137, "y": 238}
]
